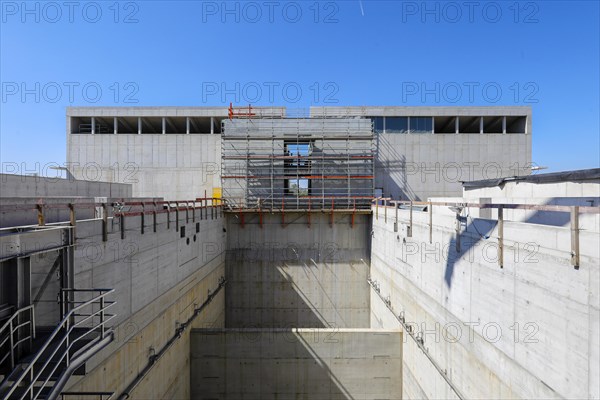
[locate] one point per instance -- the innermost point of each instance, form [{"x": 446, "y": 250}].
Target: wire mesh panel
[{"x": 298, "y": 163}]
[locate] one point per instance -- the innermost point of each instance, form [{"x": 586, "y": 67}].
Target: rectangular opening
[
  {"x": 444, "y": 124},
  {"x": 127, "y": 125},
  {"x": 297, "y": 187},
  {"x": 199, "y": 125},
  {"x": 396, "y": 125},
  {"x": 202, "y": 125},
  {"x": 175, "y": 125},
  {"x": 297, "y": 165},
  {"x": 492, "y": 124},
  {"x": 151, "y": 125},
  {"x": 516, "y": 124},
  {"x": 469, "y": 124},
  {"x": 105, "y": 125},
  {"x": 421, "y": 125},
  {"x": 182, "y": 232},
  {"x": 297, "y": 153},
  {"x": 377, "y": 124},
  {"x": 81, "y": 125}
]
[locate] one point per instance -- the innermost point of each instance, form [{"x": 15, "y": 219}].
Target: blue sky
[{"x": 297, "y": 54}]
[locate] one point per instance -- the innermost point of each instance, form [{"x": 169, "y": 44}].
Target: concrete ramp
[{"x": 296, "y": 364}]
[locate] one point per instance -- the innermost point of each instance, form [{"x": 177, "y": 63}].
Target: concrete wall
[
  {"x": 418, "y": 166},
  {"x": 176, "y": 166},
  {"x": 159, "y": 278},
  {"x": 39, "y": 186},
  {"x": 173, "y": 166},
  {"x": 299, "y": 363},
  {"x": 297, "y": 276},
  {"x": 527, "y": 330}
]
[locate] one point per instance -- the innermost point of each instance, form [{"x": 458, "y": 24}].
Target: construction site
[{"x": 331, "y": 253}]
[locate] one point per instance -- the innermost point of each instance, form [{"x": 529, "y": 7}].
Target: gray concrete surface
[
  {"x": 418, "y": 166},
  {"x": 527, "y": 330},
  {"x": 177, "y": 165},
  {"x": 38, "y": 186},
  {"x": 297, "y": 276},
  {"x": 318, "y": 364}
]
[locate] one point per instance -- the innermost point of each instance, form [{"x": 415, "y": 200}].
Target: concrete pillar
[
  {"x": 212, "y": 125},
  {"x": 457, "y": 125},
  {"x": 93, "y": 125},
  {"x": 139, "y": 125},
  {"x": 164, "y": 125},
  {"x": 432, "y": 125},
  {"x": 116, "y": 125},
  {"x": 187, "y": 125},
  {"x": 504, "y": 125},
  {"x": 480, "y": 125}
]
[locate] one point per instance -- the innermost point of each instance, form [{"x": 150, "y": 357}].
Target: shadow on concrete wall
[
  {"x": 393, "y": 171},
  {"x": 471, "y": 239},
  {"x": 262, "y": 364},
  {"x": 557, "y": 218},
  {"x": 286, "y": 293},
  {"x": 479, "y": 230}
]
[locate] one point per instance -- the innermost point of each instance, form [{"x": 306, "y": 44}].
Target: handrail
[
  {"x": 514, "y": 206},
  {"x": 69, "y": 327},
  {"x": 101, "y": 395},
  {"x": 317, "y": 203},
  {"x": 8, "y": 325}
]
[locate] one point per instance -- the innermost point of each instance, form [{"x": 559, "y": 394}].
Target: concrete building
[
  {"x": 485, "y": 293},
  {"x": 418, "y": 152}
]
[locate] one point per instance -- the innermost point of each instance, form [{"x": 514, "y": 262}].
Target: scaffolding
[{"x": 304, "y": 164}]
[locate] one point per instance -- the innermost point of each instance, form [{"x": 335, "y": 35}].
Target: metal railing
[
  {"x": 282, "y": 203},
  {"x": 12, "y": 326},
  {"x": 58, "y": 348},
  {"x": 97, "y": 395}
]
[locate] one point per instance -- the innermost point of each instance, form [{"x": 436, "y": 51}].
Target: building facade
[{"x": 417, "y": 152}]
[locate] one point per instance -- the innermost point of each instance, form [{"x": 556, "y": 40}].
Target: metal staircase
[
  {"x": 55, "y": 357},
  {"x": 15, "y": 333}
]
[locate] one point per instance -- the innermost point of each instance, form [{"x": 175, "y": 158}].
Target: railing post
[
  {"x": 142, "y": 218},
  {"x": 12, "y": 343},
  {"x": 41, "y": 219},
  {"x": 104, "y": 222},
  {"x": 457, "y": 232},
  {"x": 122, "y": 226},
  {"x": 385, "y": 210},
  {"x": 32, "y": 310},
  {"x": 177, "y": 216},
  {"x": 430, "y": 222},
  {"x": 72, "y": 218},
  {"x": 501, "y": 236},
  {"x": 31, "y": 380},
  {"x": 67, "y": 341},
  {"x": 154, "y": 218},
  {"x": 102, "y": 315},
  {"x": 575, "y": 237},
  {"x": 410, "y": 225}
]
